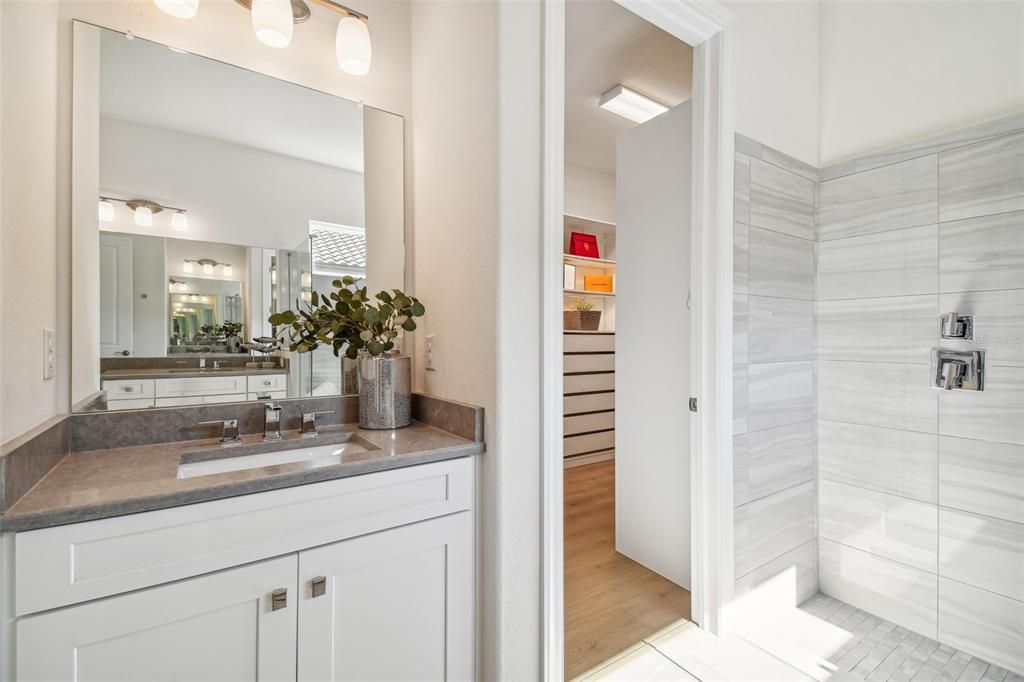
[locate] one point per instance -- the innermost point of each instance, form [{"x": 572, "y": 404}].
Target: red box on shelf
[{"x": 584, "y": 245}]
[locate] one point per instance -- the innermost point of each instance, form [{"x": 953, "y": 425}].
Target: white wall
[
  {"x": 893, "y": 72},
  {"x": 234, "y": 194},
  {"x": 777, "y": 75},
  {"x": 589, "y": 193},
  {"x": 28, "y": 250},
  {"x": 149, "y": 297}
]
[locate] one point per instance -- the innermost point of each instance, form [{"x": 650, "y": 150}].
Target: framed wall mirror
[{"x": 205, "y": 198}]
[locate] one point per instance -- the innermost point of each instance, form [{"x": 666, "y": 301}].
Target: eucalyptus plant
[{"x": 347, "y": 320}]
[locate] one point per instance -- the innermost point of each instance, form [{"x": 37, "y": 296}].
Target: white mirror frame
[{"x": 705, "y": 25}]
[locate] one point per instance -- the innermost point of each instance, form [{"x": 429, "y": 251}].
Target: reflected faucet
[{"x": 271, "y": 422}]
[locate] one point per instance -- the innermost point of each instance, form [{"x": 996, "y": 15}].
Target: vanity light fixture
[
  {"x": 179, "y": 9},
  {"x": 631, "y": 104},
  {"x": 178, "y": 287},
  {"x": 106, "y": 211},
  {"x": 228, "y": 271},
  {"x": 352, "y": 45},
  {"x": 208, "y": 265},
  {"x": 179, "y": 221},
  {"x": 144, "y": 216},
  {"x": 187, "y": 267},
  {"x": 207, "y": 268}
]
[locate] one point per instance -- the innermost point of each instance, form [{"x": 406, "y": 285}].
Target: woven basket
[{"x": 581, "y": 320}]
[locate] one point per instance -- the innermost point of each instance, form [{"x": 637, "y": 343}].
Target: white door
[
  {"x": 652, "y": 345},
  {"x": 115, "y": 294},
  {"x": 395, "y": 605},
  {"x": 221, "y": 626}
]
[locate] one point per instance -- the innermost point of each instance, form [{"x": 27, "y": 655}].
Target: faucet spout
[{"x": 271, "y": 422}]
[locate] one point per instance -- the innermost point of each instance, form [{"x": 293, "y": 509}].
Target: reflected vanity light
[
  {"x": 106, "y": 211},
  {"x": 143, "y": 211},
  {"x": 179, "y": 221},
  {"x": 144, "y": 216},
  {"x": 187, "y": 267},
  {"x": 179, "y": 9},
  {"x": 307, "y": 279},
  {"x": 631, "y": 104},
  {"x": 207, "y": 268},
  {"x": 228, "y": 271}
]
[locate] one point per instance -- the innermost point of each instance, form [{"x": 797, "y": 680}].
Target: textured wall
[{"x": 921, "y": 492}]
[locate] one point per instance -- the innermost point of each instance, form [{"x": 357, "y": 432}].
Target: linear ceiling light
[{"x": 631, "y": 104}]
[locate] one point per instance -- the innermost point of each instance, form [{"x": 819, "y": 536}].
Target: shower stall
[{"x": 879, "y": 393}]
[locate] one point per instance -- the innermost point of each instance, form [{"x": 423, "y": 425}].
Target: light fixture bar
[
  {"x": 337, "y": 7},
  {"x": 300, "y": 10},
  {"x": 152, "y": 205},
  {"x": 631, "y": 104}
]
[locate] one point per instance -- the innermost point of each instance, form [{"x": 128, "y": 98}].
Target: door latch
[
  {"x": 693, "y": 404},
  {"x": 279, "y": 599}
]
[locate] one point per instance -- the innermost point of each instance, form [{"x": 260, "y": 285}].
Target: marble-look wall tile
[
  {"x": 997, "y": 413},
  {"x": 982, "y": 477},
  {"x": 740, "y": 398},
  {"x": 982, "y": 179},
  {"x": 780, "y": 329},
  {"x": 886, "y": 198},
  {"x": 772, "y": 460},
  {"x": 889, "y": 329},
  {"x": 894, "y": 263},
  {"x": 787, "y": 581},
  {"x": 779, "y": 393},
  {"x": 982, "y": 253},
  {"x": 740, "y": 328},
  {"x": 885, "y": 525},
  {"x": 740, "y": 258},
  {"x": 781, "y": 265},
  {"x": 768, "y": 528},
  {"x": 987, "y": 625},
  {"x": 741, "y": 189},
  {"x": 781, "y": 200},
  {"x": 896, "y": 396},
  {"x": 998, "y": 322},
  {"x": 982, "y": 551},
  {"x": 888, "y": 589},
  {"x": 887, "y": 460}
]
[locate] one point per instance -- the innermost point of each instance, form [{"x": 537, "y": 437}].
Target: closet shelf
[
  {"x": 580, "y": 292},
  {"x": 584, "y": 262}
]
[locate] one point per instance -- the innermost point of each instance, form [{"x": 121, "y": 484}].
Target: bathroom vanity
[{"x": 348, "y": 555}]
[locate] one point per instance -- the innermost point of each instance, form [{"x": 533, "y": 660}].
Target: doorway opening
[{"x": 626, "y": 334}]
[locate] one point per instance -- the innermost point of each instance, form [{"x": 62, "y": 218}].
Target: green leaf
[
  {"x": 375, "y": 348},
  {"x": 366, "y": 335},
  {"x": 418, "y": 309},
  {"x": 409, "y": 325},
  {"x": 384, "y": 296},
  {"x": 314, "y": 298},
  {"x": 352, "y": 352}
]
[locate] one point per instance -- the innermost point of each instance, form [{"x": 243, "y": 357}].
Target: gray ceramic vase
[{"x": 385, "y": 391}]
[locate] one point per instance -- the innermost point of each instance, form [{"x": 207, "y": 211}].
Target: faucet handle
[
  {"x": 308, "y": 429},
  {"x": 229, "y": 432}
]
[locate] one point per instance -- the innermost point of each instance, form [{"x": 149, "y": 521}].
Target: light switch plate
[
  {"x": 429, "y": 350},
  {"x": 49, "y": 354}
]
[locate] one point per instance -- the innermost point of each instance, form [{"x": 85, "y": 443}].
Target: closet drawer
[
  {"x": 128, "y": 389},
  {"x": 594, "y": 442},
  {"x": 191, "y": 386},
  {"x": 589, "y": 363},
  {"x": 588, "y": 422},
  {"x": 262, "y": 383},
  {"x": 575, "y": 404},
  {"x": 588, "y": 343},
  {"x": 84, "y": 561},
  {"x": 588, "y": 383}
]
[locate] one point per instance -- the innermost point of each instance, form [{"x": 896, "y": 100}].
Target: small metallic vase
[{"x": 385, "y": 391}]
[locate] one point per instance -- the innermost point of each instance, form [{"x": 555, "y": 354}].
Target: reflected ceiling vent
[{"x": 631, "y": 104}]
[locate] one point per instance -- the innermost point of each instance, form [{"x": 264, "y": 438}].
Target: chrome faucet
[
  {"x": 272, "y": 422},
  {"x": 308, "y": 429},
  {"x": 229, "y": 433},
  {"x": 202, "y": 363}
]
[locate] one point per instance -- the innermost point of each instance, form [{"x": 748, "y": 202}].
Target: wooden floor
[{"x": 611, "y": 602}]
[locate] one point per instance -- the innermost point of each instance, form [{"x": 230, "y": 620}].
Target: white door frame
[{"x": 704, "y": 24}]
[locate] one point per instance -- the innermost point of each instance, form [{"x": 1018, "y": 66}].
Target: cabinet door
[
  {"x": 396, "y": 605},
  {"x": 220, "y": 626}
]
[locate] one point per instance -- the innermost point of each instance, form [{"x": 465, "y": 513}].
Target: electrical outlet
[
  {"x": 49, "y": 354},
  {"x": 429, "y": 350}
]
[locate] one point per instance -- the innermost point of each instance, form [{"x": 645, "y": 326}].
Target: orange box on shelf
[{"x": 598, "y": 283}]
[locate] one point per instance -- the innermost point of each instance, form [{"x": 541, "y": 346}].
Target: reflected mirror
[{"x": 208, "y": 197}]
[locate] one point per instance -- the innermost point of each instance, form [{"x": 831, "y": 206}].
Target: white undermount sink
[{"x": 305, "y": 455}]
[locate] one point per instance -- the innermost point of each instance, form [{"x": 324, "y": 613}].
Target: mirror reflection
[{"x": 223, "y": 196}]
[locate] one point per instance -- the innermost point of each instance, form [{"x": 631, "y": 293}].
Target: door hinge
[{"x": 693, "y": 404}]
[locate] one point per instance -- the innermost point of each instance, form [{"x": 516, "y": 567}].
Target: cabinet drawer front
[
  {"x": 574, "y": 404},
  {"x": 585, "y": 423},
  {"x": 126, "y": 389},
  {"x": 590, "y": 363},
  {"x": 133, "y": 404},
  {"x": 176, "y": 402},
  {"x": 227, "y": 398},
  {"x": 575, "y": 445},
  {"x": 588, "y": 383},
  {"x": 187, "y": 386},
  {"x": 271, "y": 395},
  {"x": 267, "y": 382},
  {"x": 588, "y": 343},
  {"x": 78, "y": 562}
]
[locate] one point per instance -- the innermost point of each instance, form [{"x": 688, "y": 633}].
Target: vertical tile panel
[
  {"x": 741, "y": 190},
  {"x": 997, "y": 413},
  {"x": 895, "y": 263},
  {"x": 889, "y": 329},
  {"x": 895, "y": 396},
  {"x": 779, "y": 393},
  {"x": 772, "y": 460},
  {"x": 781, "y": 265},
  {"x": 771, "y": 526},
  {"x": 781, "y": 200},
  {"x": 982, "y": 477},
  {"x": 982, "y": 253},
  {"x": 780, "y": 329},
  {"x": 982, "y": 179},
  {"x": 982, "y": 551},
  {"x": 740, "y": 258},
  {"x": 998, "y": 323},
  {"x": 987, "y": 625}
]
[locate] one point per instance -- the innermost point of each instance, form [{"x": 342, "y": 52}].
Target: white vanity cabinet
[
  {"x": 362, "y": 578},
  {"x": 125, "y": 394}
]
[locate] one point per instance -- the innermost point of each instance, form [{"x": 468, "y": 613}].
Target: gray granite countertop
[
  {"x": 158, "y": 373},
  {"x": 99, "y": 484}
]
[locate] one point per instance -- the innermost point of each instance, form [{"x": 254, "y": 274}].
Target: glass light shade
[
  {"x": 106, "y": 211},
  {"x": 207, "y": 268},
  {"x": 228, "y": 271},
  {"x": 179, "y": 221},
  {"x": 307, "y": 279},
  {"x": 181, "y": 9},
  {"x": 352, "y": 45},
  {"x": 143, "y": 216},
  {"x": 272, "y": 22},
  {"x": 188, "y": 268},
  {"x": 307, "y": 296}
]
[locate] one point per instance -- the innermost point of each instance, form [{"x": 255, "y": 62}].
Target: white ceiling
[
  {"x": 607, "y": 44},
  {"x": 148, "y": 83}
]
